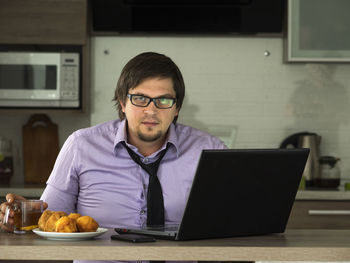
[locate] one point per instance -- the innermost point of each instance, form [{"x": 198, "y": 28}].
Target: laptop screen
[{"x": 242, "y": 192}]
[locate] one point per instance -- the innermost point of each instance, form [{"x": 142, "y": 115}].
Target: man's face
[{"x": 150, "y": 124}]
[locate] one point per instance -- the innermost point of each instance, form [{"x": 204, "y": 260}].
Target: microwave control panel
[{"x": 69, "y": 76}]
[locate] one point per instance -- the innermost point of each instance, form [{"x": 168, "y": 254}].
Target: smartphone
[{"x": 134, "y": 238}]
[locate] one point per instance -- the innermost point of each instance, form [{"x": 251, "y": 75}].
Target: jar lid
[{"x": 330, "y": 160}]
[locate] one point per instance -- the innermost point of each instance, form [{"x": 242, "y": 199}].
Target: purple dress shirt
[{"x": 94, "y": 174}]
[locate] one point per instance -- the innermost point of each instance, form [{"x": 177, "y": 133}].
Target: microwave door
[{"x": 29, "y": 76}]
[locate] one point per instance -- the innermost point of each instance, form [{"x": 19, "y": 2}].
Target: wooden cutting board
[{"x": 40, "y": 148}]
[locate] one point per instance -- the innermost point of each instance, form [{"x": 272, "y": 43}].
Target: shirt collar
[
  {"x": 121, "y": 136},
  {"x": 172, "y": 138}
]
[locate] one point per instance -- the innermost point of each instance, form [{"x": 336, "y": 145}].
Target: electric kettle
[{"x": 311, "y": 141}]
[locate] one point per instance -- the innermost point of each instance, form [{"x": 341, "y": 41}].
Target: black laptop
[{"x": 237, "y": 193}]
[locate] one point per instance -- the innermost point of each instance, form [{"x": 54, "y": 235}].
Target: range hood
[{"x": 188, "y": 16}]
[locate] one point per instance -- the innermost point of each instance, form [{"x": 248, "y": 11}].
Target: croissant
[
  {"x": 50, "y": 223},
  {"x": 87, "y": 224},
  {"x": 66, "y": 225}
]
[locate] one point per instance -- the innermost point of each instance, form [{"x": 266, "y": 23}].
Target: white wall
[{"x": 232, "y": 85}]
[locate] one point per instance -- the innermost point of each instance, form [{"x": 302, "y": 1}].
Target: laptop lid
[
  {"x": 238, "y": 193},
  {"x": 242, "y": 192}
]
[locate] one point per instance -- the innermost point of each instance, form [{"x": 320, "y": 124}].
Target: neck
[{"x": 146, "y": 148}]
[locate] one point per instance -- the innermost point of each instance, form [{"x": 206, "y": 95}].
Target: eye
[
  {"x": 139, "y": 98},
  {"x": 164, "y": 101}
]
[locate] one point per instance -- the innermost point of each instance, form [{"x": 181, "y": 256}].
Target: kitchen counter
[
  {"x": 293, "y": 245},
  {"x": 29, "y": 191},
  {"x": 323, "y": 195}
]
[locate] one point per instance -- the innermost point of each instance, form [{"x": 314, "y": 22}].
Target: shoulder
[
  {"x": 101, "y": 133},
  {"x": 197, "y": 138},
  {"x": 99, "y": 138},
  {"x": 103, "y": 129}
]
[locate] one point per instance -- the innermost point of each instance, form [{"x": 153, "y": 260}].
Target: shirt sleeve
[
  {"x": 62, "y": 187},
  {"x": 220, "y": 145},
  {"x": 59, "y": 200},
  {"x": 215, "y": 143}
]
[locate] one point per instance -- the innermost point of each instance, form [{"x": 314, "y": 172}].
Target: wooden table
[{"x": 294, "y": 245}]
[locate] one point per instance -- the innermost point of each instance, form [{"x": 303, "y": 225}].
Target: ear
[{"x": 122, "y": 105}]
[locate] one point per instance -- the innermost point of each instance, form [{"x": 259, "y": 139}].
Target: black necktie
[{"x": 155, "y": 202}]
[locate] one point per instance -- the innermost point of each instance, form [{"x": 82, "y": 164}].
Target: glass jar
[{"x": 329, "y": 172}]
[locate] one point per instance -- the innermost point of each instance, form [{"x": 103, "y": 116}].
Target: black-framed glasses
[{"x": 144, "y": 101}]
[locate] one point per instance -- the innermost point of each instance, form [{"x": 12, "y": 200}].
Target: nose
[{"x": 151, "y": 108}]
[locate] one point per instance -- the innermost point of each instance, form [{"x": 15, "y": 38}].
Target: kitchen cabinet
[
  {"x": 51, "y": 23},
  {"x": 320, "y": 214},
  {"x": 318, "y": 30},
  {"x": 43, "y": 22}
]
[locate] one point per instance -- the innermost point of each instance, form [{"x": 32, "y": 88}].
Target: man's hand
[{"x": 10, "y": 199}]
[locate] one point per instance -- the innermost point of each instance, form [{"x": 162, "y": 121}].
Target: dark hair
[{"x": 148, "y": 65}]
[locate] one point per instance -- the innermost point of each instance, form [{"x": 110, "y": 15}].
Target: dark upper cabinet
[{"x": 43, "y": 22}]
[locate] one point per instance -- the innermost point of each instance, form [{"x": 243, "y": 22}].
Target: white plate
[{"x": 70, "y": 236}]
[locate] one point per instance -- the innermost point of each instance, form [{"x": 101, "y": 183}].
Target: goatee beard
[{"x": 149, "y": 138}]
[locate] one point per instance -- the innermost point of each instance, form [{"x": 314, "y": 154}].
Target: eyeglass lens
[{"x": 143, "y": 101}]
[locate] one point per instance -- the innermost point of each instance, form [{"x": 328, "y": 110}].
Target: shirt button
[{"x": 142, "y": 212}]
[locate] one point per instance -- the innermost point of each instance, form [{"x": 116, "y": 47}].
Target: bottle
[{"x": 6, "y": 161}]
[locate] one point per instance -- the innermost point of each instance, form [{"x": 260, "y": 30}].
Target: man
[{"x": 97, "y": 173}]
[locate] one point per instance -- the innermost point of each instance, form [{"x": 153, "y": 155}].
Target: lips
[{"x": 150, "y": 123}]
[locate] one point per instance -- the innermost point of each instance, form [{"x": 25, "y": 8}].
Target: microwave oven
[{"x": 39, "y": 80}]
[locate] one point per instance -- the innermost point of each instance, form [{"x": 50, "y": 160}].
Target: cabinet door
[
  {"x": 320, "y": 215},
  {"x": 318, "y": 30},
  {"x": 43, "y": 21}
]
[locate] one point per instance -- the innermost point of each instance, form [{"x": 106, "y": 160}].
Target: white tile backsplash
[{"x": 231, "y": 83}]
